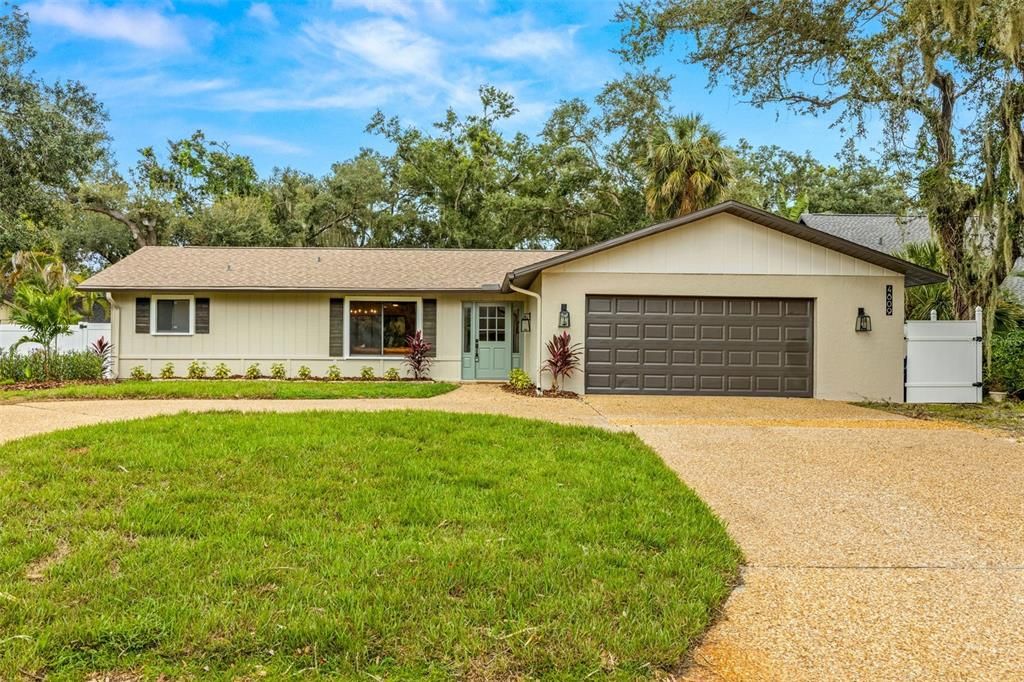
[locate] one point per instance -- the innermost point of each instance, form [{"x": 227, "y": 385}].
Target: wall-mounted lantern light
[
  {"x": 563, "y": 316},
  {"x": 524, "y": 322},
  {"x": 863, "y": 321}
]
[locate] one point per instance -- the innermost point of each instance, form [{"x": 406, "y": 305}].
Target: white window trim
[
  {"x": 418, "y": 300},
  {"x": 173, "y": 297}
]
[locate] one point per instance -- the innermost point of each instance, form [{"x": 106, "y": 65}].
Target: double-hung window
[
  {"x": 380, "y": 327},
  {"x": 174, "y": 315}
]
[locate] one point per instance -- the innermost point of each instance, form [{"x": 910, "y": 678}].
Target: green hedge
[
  {"x": 1006, "y": 363},
  {"x": 70, "y": 366}
]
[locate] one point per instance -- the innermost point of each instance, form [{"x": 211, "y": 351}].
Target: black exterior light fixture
[
  {"x": 524, "y": 323},
  {"x": 563, "y": 316},
  {"x": 863, "y": 321}
]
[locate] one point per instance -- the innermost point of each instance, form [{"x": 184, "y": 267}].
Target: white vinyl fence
[
  {"x": 944, "y": 360},
  {"x": 81, "y": 337}
]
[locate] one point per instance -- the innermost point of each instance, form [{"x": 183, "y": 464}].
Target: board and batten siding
[
  {"x": 723, "y": 244},
  {"x": 293, "y": 328}
]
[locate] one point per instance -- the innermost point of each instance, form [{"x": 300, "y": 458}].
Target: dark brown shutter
[
  {"x": 430, "y": 325},
  {"x": 142, "y": 315},
  {"x": 202, "y": 316},
  {"x": 336, "y": 325}
]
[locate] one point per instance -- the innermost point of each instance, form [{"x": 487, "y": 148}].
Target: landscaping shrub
[
  {"x": 70, "y": 366},
  {"x": 104, "y": 350},
  {"x": 277, "y": 371},
  {"x": 253, "y": 371},
  {"x": 139, "y": 373},
  {"x": 196, "y": 370},
  {"x": 167, "y": 371},
  {"x": 392, "y": 374},
  {"x": 1005, "y": 370},
  {"x": 418, "y": 358},
  {"x": 519, "y": 380},
  {"x": 563, "y": 358},
  {"x": 81, "y": 365},
  {"x": 221, "y": 371},
  {"x": 366, "y": 373},
  {"x": 304, "y": 373},
  {"x": 333, "y": 373}
]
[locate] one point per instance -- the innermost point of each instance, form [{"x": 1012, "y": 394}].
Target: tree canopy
[{"x": 945, "y": 78}]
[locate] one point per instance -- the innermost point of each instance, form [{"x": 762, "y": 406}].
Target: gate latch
[{"x": 977, "y": 338}]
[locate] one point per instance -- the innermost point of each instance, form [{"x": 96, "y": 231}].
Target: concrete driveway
[{"x": 878, "y": 547}]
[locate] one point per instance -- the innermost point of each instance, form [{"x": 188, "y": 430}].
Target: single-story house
[{"x": 730, "y": 300}]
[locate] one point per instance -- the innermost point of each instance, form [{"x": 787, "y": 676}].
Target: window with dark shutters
[
  {"x": 202, "y": 316},
  {"x": 430, "y": 325},
  {"x": 336, "y": 325},
  {"x": 142, "y": 315}
]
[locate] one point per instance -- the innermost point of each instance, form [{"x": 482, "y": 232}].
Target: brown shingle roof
[{"x": 197, "y": 268}]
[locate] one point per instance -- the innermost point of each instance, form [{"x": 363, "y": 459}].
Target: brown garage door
[{"x": 699, "y": 345}]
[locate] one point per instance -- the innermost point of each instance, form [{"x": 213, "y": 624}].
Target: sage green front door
[{"x": 486, "y": 341}]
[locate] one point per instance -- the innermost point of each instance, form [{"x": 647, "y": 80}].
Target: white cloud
[
  {"x": 532, "y": 45},
  {"x": 384, "y": 44},
  {"x": 397, "y": 8},
  {"x": 271, "y": 144},
  {"x": 269, "y": 99},
  {"x": 263, "y": 13},
  {"x": 142, "y": 27}
]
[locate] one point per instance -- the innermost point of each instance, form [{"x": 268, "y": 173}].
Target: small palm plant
[
  {"x": 563, "y": 358},
  {"x": 46, "y": 315},
  {"x": 417, "y": 358}
]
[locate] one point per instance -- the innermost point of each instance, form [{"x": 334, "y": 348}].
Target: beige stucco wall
[
  {"x": 269, "y": 327},
  {"x": 760, "y": 262}
]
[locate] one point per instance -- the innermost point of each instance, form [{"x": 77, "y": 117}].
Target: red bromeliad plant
[
  {"x": 563, "y": 358},
  {"x": 105, "y": 351},
  {"x": 418, "y": 356}
]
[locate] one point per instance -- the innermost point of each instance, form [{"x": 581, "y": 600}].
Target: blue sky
[{"x": 294, "y": 84}]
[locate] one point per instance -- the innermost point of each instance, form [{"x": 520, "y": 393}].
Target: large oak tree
[{"x": 944, "y": 77}]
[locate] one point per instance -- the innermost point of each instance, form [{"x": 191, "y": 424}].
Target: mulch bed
[
  {"x": 532, "y": 392},
  {"x": 39, "y": 385}
]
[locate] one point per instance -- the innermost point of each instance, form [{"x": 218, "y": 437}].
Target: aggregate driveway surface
[{"x": 878, "y": 547}]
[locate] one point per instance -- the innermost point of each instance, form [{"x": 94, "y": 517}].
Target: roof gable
[{"x": 914, "y": 274}]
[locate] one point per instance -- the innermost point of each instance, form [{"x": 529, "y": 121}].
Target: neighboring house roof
[
  {"x": 176, "y": 268},
  {"x": 890, "y": 233},
  {"x": 914, "y": 274}
]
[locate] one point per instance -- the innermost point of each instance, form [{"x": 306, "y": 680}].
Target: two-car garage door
[{"x": 699, "y": 345}]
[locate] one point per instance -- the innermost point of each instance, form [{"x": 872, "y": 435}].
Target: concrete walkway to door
[{"x": 878, "y": 547}]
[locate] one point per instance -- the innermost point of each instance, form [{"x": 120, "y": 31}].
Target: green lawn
[
  {"x": 1006, "y": 416},
  {"x": 391, "y": 545},
  {"x": 231, "y": 388}
]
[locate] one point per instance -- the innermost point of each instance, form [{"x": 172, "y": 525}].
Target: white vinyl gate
[{"x": 944, "y": 360}]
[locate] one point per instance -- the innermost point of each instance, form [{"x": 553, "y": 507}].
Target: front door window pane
[
  {"x": 491, "y": 320},
  {"x": 173, "y": 316}
]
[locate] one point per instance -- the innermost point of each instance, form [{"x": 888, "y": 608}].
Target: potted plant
[{"x": 996, "y": 388}]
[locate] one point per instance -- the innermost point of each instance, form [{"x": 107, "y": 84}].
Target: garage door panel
[{"x": 697, "y": 345}]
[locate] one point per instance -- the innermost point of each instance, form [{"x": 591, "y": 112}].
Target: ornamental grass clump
[
  {"x": 417, "y": 358},
  {"x": 563, "y": 358}
]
